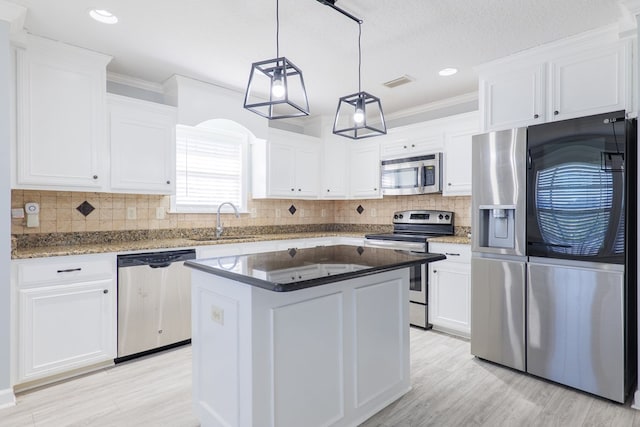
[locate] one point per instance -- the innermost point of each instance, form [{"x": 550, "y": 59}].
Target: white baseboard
[
  {"x": 7, "y": 398},
  {"x": 636, "y": 400}
]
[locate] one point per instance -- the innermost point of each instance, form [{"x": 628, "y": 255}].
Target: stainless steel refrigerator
[
  {"x": 552, "y": 289},
  {"x": 498, "y": 262}
]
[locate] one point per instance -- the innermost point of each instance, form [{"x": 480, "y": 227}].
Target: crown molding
[
  {"x": 433, "y": 106},
  {"x": 135, "y": 82},
  {"x": 13, "y": 14}
]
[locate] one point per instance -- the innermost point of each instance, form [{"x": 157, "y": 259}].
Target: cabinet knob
[
  {"x": 413, "y": 145},
  {"x": 106, "y": 291},
  {"x": 449, "y": 184},
  {"x": 293, "y": 189},
  {"x": 95, "y": 176},
  {"x": 168, "y": 182},
  {"x": 555, "y": 113},
  {"x": 299, "y": 189},
  {"x": 535, "y": 116},
  {"x": 435, "y": 271},
  {"x": 328, "y": 190},
  {"x": 404, "y": 146},
  {"x": 375, "y": 189}
]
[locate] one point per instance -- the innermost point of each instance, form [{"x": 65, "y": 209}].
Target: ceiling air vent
[{"x": 399, "y": 81}]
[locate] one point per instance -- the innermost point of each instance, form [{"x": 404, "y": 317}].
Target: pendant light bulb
[
  {"x": 277, "y": 85},
  {"x": 358, "y": 116}
]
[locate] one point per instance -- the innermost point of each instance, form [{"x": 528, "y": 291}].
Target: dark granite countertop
[{"x": 295, "y": 269}]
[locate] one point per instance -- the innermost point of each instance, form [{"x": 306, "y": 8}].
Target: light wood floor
[{"x": 450, "y": 388}]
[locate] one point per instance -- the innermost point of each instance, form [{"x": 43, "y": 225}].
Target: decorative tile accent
[
  {"x": 292, "y": 252},
  {"x": 360, "y": 209},
  {"x": 360, "y": 250},
  {"x": 292, "y": 209},
  {"x": 85, "y": 208}
]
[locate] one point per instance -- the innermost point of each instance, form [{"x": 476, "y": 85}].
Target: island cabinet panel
[
  {"x": 328, "y": 355},
  {"x": 378, "y": 368},
  {"x": 221, "y": 326},
  {"x": 307, "y": 362}
]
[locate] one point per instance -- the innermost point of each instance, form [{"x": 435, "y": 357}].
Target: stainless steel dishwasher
[{"x": 154, "y": 302}]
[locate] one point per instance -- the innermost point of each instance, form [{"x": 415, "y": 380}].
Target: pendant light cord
[
  {"x": 359, "y": 57},
  {"x": 277, "y": 29}
]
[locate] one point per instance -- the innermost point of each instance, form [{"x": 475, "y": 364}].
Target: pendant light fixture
[
  {"x": 358, "y": 115},
  {"x": 276, "y": 88}
]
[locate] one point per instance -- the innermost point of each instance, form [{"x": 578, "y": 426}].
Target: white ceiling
[{"x": 216, "y": 41}]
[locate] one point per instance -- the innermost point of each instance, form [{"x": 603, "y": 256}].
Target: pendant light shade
[
  {"x": 276, "y": 88},
  {"x": 359, "y": 115}
]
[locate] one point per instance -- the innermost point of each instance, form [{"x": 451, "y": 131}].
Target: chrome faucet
[{"x": 219, "y": 228}]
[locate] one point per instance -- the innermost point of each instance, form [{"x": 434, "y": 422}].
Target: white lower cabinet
[
  {"x": 450, "y": 289},
  {"x": 66, "y": 315}
]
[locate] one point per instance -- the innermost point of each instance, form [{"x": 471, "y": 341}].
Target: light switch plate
[
  {"x": 159, "y": 213},
  {"x": 17, "y": 213},
  {"x": 131, "y": 212}
]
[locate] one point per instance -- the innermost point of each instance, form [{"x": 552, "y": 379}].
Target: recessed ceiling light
[
  {"x": 103, "y": 16},
  {"x": 448, "y": 71}
]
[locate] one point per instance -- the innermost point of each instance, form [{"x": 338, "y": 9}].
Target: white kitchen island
[{"x": 310, "y": 337}]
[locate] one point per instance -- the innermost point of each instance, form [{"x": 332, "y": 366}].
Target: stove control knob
[
  {"x": 400, "y": 216},
  {"x": 446, "y": 217},
  {"x": 395, "y": 217},
  {"x": 440, "y": 216}
]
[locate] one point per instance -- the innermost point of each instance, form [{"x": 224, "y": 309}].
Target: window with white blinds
[{"x": 211, "y": 168}]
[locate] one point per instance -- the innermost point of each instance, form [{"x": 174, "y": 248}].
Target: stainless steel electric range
[{"x": 411, "y": 229}]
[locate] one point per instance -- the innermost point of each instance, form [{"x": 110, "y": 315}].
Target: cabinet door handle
[
  {"x": 69, "y": 270},
  {"x": 535, "y": 116},
  {"x": 447, "y": 253},
  {"x": 106, "y": 291},
  {"x": 555, "y": 113}
]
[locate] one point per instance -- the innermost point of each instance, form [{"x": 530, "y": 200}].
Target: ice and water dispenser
[{"x": 497, "y": 226}]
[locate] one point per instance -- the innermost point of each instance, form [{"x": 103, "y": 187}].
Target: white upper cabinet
[
  {"x": 514, "y": 98},
  {"x": 335, "y": 153},
  {"x": 411, "y": 140},
  {"x": 456, "y": 176},
  {"x": 589, "y": 82},
  {"x": 61, "y": 115},
  {"x": 286, "y": 166},
  {"x": 584, "y": 75},
  {"x": 364, "y": 170},
  {"x": 142, "y": 138}
]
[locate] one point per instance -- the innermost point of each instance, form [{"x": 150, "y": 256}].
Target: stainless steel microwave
[{"x": 412, "y": 175}]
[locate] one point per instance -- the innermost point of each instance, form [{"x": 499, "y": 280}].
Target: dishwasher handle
[{"x": 160, "y": 265}]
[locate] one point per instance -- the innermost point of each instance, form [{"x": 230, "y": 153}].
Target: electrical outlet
[
  {"x": 278, "y": 213},
  {"x": 217, "y": 314},
  {"x": 131, "y": 213},
  {"x": 159, "y": 213},
  {"x": 373, "y": 211},
  {"x": 323, "y": 213},
  {"x": 254, "y": 213},
  {"x": 301, "y": 213}
]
